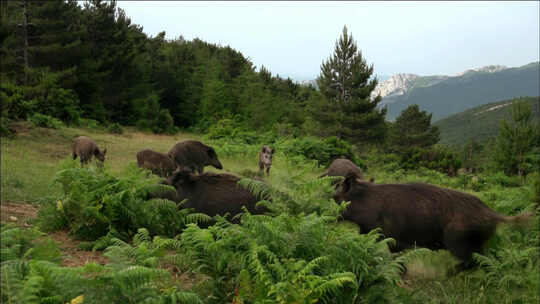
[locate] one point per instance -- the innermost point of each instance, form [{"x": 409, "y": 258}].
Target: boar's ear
[
  {"x": 104, "y": 151},
  {"x": 181, "y": 175},
  {"x": 272, "y": 150},
  {"x": 211, "y": 153},
  {"x": 348, "y": 183}
]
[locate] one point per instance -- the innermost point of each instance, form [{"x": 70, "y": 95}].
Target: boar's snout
[{"x": 217, "y": 164}]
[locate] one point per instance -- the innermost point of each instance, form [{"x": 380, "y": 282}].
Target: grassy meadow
[{"x": 30, "y": 161}]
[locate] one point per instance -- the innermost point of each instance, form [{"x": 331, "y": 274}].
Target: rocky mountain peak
[{"x": 397, "y": 84}]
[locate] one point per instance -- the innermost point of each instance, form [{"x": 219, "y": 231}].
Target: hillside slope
[
  {"x": 473, "y": 88},
  {"x": 479, "y": 123}
]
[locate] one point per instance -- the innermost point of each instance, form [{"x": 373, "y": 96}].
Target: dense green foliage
[
  {"x": 298, "y": 252},
  {"x": 88, "y": 60},
  {"x": 479, "y": 123},
  {"x": 459, "y": 93},
  {"x": 412, "y": 129},
  {"x": 517, "y": 146},
  {"x": 31, "y": 273},
  {"x": 95, "y": 205}
]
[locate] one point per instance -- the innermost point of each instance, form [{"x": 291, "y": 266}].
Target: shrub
[
  {"x": 115, "y": 128},
  {"x": 499, "y": 178},
  {"x": 44, "y": 121},
  {"x": 324, "y": 151},
  {"x": 30, "y": 273},
  {"x": 163, "y": 123},
  {"x": 144, "y": 125},
  {"x": 90, "y": 124},
  {"x": 95, "y": 205},
  {"x": 435, "y": 158}
]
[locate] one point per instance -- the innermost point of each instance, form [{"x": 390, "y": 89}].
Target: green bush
[
  {"x": 45, "y": 121},
  {"x": 90, "y": 124},
  {"x": 324, "y": 151},
  {"x": 95, "y": 205},
  {"x": 501, "y": 179},
  {"x": 435, "y": 158},
  {"x": 115, "y": 128},
  {"x": 233, "y": 132},
  {"x": 14, "y": 103},
  {"x": 31, "y": 274},
  {"x": 164, "y": 123}
]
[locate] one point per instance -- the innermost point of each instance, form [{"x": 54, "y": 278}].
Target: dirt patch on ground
[
  {"x": 23, "y": 214},
  {"x": 72, "y": 255},
  {"x": 19, "y": 213}
]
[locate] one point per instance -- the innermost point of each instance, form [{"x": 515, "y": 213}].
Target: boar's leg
[{"x": 462, "y": 244}]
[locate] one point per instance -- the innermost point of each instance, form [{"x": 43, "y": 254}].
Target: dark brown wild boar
[
  {"x": 265, "y": 159},
  {"x": 211, "y": 193},
  {"x": 422, "y": 215},
  {"x": 84, "y": 147},
  {"x": 159, "y": 163},
  {"x": 194, "y": 156}
]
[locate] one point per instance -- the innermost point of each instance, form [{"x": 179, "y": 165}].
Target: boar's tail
[{"x": 520, "y": 219}]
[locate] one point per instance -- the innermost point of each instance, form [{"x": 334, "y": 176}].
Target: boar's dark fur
[
  {"x": 159, "y": 163},
  {"x": 84, "y": 147},
  {"x": 194, "y": 156},
  {"x": 212, "y": 193},
  {"x": 423, "y": 215}
]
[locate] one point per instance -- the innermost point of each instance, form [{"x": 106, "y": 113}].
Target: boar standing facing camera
[
  {"x": 265, "y": 159},
  {"x": 418, "y": 214},
  {"x": 159, "y": 163},
  {"x": 193, "y": 155},
  {"x": 84, "y": 147}
]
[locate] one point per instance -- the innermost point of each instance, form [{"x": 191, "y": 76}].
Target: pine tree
[
  {"x": 345, "y": 81},
  {"x": 517, "y": 140},
  {"x": 413, "y": 129}
]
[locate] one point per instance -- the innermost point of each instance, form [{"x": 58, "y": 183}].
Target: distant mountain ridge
[
  {"x": 398, "y": 84},
  {"x": 479, "y": 123},
  {"x": 444, "y": 95},
  {"x": 447, "y": 95}
]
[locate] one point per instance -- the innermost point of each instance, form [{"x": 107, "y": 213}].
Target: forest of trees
[{"x": 73, "y": 60}]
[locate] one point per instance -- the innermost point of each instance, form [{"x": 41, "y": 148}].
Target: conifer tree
[
  {"x": 517, "y": 143},
  {"x": 413, "y": 129},
  {"x": 345, "y": 80}
]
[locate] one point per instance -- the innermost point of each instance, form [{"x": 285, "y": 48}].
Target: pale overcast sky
[{"x": 293, "y": 38}]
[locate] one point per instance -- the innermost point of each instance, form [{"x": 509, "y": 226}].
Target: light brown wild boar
[
  {"x": 265, "y": 159},
  {"x": 343, "y": 167},
  {"x": 159, "y": 163},
  {"x": 84, "y": 147}
]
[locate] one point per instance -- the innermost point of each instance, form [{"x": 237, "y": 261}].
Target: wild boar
[
  {"x": 194, "y": 156},
  {"x": 85, "y": 148},
  {"x": 159, "y": 163},
  {"x": 422, "y": 215},
  {"x": 342, "y": 167},
  {"x": 265, "y": 159},
  {"x": 211, "y": 193}
]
